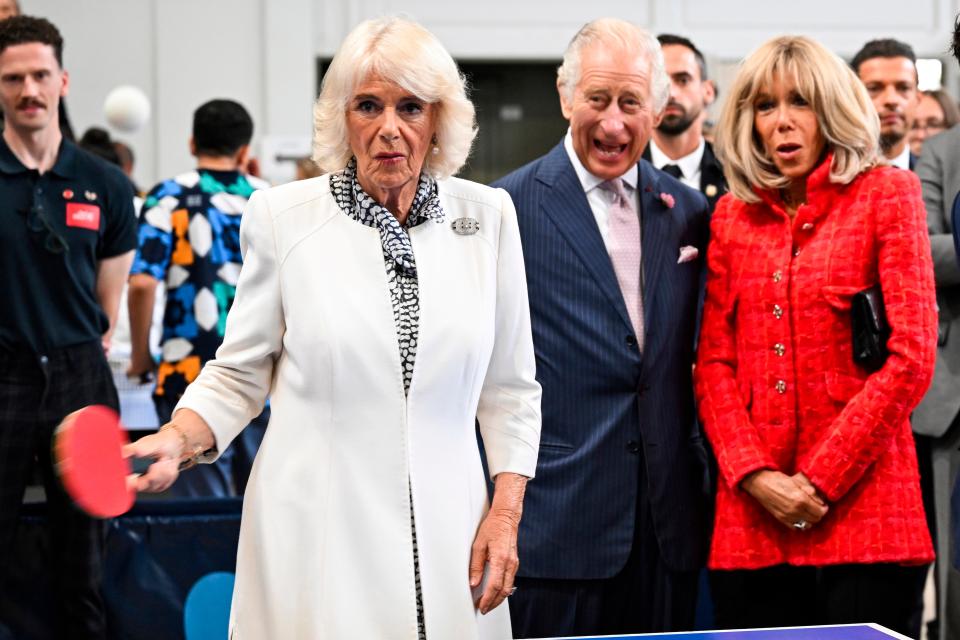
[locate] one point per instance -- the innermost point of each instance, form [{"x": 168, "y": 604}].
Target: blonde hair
[
  {"x": 621, "y": 35},
  {"x": 845, "y": 115},
  {"x": 402, "y": 52}
]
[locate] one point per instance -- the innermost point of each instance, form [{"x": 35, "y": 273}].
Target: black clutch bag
[{"x": 870, "y": 328}]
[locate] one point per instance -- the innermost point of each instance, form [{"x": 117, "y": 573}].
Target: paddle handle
[{"x": 140, "y": 465}]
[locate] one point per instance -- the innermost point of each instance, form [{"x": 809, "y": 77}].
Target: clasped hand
[{"x": 790, "y": 499}]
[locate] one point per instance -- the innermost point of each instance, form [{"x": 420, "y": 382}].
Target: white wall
[
  {"x": 494, "y": 29},
  {"x": 262, "y": 52},
  {"x": 183, "y": 53}
]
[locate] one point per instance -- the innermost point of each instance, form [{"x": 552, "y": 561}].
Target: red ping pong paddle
[{"x": 87, "y": 448}]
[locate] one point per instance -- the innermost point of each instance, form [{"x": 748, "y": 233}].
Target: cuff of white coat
[{"x": 522, "y": 462}]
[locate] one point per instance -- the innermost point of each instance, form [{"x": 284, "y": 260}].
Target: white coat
[{"x": 325, "y": 541}]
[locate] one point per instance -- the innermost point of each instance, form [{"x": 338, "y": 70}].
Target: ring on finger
[
  {"x": 512, "y": 591},
  {"x": 801, "y": 525}
]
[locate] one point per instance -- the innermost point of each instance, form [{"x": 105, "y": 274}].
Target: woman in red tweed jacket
[{"x": 818, "y": 510}]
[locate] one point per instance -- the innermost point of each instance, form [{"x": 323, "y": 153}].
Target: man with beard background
[
  {"x": 888, "y": 69},
  {"x": 678, "y": 146}
]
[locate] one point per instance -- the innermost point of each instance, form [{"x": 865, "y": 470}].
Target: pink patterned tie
[{"x": 624, "y": 246}]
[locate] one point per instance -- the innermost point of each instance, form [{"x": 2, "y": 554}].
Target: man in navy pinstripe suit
[{"x": 615, "y": 525}]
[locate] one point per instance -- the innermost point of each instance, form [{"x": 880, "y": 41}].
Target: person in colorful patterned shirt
[{"x": 189, "y": 239}]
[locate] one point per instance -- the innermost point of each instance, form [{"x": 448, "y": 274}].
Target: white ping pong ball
[{"x": 127, "y": 108}]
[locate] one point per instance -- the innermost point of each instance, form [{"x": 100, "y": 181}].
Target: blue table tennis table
[{"x": 836, "y": 632}]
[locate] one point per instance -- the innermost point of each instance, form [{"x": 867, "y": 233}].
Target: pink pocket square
[{"x": 687, "y": 254}]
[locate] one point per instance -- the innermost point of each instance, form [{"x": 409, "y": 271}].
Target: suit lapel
[
  {"x": 656, "y": 224},
  {"x": 565, "y": 203}
]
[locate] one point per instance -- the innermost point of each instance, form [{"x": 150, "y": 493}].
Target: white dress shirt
[
  {"x": 599, "y": 199},
  {"x": 689, "y": 164},
  {"x": 902, "y": 161}
]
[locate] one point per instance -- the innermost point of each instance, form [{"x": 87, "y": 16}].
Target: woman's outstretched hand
[
  {"x": 176, "y": 442},
  {"x": 165, "y": 448}
]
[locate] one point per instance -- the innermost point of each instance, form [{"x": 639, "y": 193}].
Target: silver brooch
[{"x": 465, "y": 226}]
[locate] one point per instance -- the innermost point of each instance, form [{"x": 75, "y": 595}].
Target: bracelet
[{"x": 190, "y": 459}]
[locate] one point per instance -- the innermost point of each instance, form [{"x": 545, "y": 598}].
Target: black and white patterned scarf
[
  {"x": 397, "y": 250},
  {"x": 401, "y": 277},
  {"x": 360, "y": 206}
]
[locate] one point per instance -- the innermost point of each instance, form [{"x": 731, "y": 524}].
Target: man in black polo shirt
[{"x": 67, "y": 234}]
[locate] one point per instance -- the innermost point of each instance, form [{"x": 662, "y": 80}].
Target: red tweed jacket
[{"x": 775, "y": 378}]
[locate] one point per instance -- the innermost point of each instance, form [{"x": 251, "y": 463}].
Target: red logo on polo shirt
[{"x": 83, "y": 215}]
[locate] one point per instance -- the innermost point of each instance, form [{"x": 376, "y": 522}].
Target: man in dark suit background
[
  {"x": 678, "y": 146},
  {"x": 888, "y": 69},
  {"x": 615, "y": 525}
]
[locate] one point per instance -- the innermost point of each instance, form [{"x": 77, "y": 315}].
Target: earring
[
  {"x": 436, "y": 150},
  {"x": 436, "y": 147}
]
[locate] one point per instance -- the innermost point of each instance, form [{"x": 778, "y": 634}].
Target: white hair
[
  {"x": 403, "y": 52},
  {"x": 622, "y": 35}
]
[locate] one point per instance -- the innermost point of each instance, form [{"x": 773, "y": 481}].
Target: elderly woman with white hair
[{"x": 383, "y": 308}]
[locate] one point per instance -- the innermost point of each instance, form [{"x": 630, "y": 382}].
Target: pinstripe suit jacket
[{"x": 603, "y": 401}]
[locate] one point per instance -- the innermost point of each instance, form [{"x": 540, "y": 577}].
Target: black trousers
[
  {"x": 786, "y": 596},
  {"x": 646, "y": 596},
  {"x": 36, "y": 392}
]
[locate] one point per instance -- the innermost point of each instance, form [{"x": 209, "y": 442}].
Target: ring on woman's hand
[
  {"x": 512, "y": 591},
  {"x": 801, "y": 525}
]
